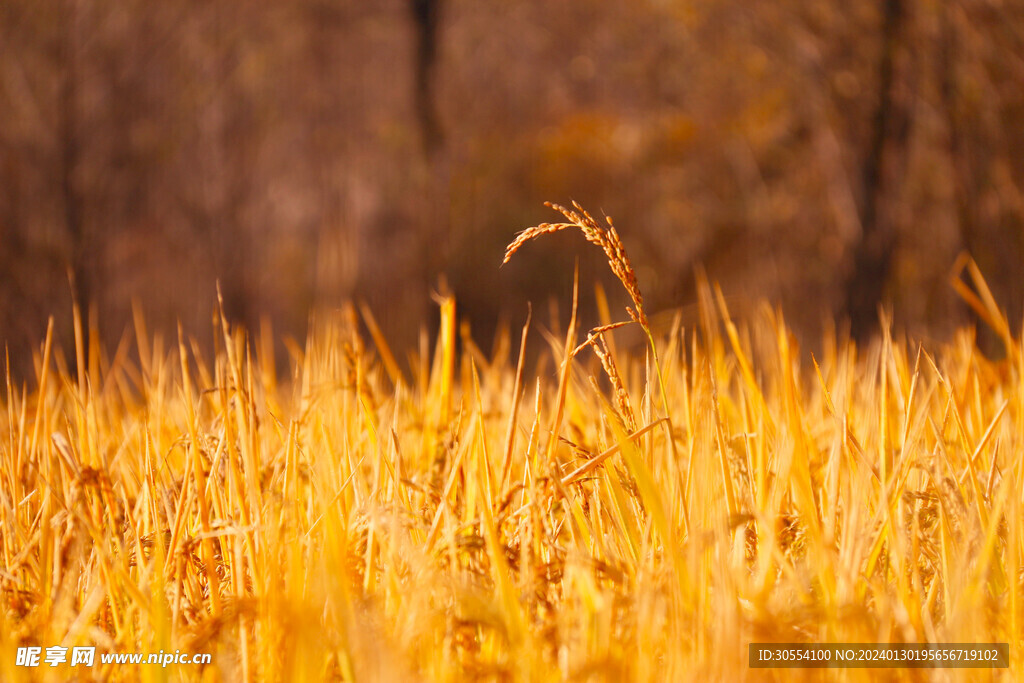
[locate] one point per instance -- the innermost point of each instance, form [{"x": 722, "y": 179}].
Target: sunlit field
[{"x": 606, "y": 512}]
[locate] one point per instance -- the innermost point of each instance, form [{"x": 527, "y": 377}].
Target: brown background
[{"x": 823, "y": 154}]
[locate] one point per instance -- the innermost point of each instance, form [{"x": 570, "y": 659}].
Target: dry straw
[
  {"x": 360, "y": 523},
  {"x": 605, "y": 237}
]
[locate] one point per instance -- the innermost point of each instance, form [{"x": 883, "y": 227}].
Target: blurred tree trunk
[
  {"x": 426, "y": 15},
  {"x": 962, "y": 187},
  {"x": 436, "y": 233},
  {"x": 229, "y": 160},
  {"x": 70, "y": 157},
  {"x": 964, "y": 195},
  {"x": 872, "y": 258},
  {"x": 980, "y": 153}
]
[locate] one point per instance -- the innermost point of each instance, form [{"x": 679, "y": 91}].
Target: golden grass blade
[
  {"x": 595, "y": 462},
  {"x": 517, "y": 397},
  {"x": 723, "y": 451},
  {"x": 387, "y": 357},
  {"x": 563, "y": 379}
]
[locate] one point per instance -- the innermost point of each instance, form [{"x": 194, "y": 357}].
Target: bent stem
[{"x": 607, "y": 238}]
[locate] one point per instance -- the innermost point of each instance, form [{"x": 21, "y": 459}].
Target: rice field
[{"x": 605, "y": 513}]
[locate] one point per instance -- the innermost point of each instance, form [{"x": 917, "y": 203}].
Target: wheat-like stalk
[
  {"x": 618, "y": 260},
  {"x": 595, "y": 339},
  {"x": 612, "y": 370},
  {"x": 605, "y": 237}
]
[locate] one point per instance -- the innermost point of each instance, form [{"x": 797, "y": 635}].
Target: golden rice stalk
[
  {"x": 596, "y": 340},
  {"x": 605, "y": 237}
]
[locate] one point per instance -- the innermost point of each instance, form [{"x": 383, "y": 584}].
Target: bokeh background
[{"x": 823, "y": 154}]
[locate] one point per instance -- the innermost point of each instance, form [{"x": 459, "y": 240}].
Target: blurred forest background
[{"x": 827, "y": 155}]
